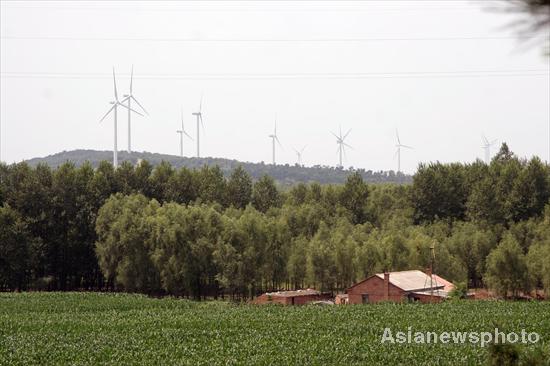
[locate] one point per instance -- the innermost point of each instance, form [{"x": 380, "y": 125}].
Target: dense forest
[
  {"x": 194, "y": 232},
  {"x": 284, "y": 175}
]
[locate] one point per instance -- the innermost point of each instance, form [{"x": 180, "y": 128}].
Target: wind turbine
[
  {"x": 299, "y": 154},
  {"x": 487, "y": 147},
  {"x": 182, "y": 132},
  {"x": 199, "y": 121},
  {"x": 114, "y": 107},
  {"x": 128, "y": 98},
  {"x": 399, "y": 145},
  {"x": 341, "y": 144},
  {"x": 274, "y": 138}
]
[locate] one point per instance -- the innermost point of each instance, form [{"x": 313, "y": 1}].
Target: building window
[{"x": 365, "y": 298}]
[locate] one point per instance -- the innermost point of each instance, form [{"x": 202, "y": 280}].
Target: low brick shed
[
  {"x": 400, "y": 286},
  {"x": 297, "y": 297}
]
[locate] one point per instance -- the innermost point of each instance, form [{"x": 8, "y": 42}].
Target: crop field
[{"x": 99, "y": 328}]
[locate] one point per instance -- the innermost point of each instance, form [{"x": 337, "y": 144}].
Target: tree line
[{"x": 194, "y": 232}]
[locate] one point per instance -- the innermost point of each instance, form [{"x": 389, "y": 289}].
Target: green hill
[{"x": 284, "y": 174}]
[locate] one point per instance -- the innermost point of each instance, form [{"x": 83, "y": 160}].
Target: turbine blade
[
  {"x": 279, "y": 142},
  {"x": 125, "y": 106},
  {"x": 484, "y": 139},
  {"x": 396, "y": 152},
  {"x": 397, "y": 134},
  {"x": 408, "y": 147},
  {"x": 200, "y": 104},
  {"x": 179, "y": 131},
  {"x": 351, "y": 147},
  {"x": 138, "y": 103},
  {"x": 109, "y": 111},
  {"x": 114, "y": 83},
  {"x": 303, "y": 148},
  {"x": 202, "y": 123},
  {"x": 346, "y": 135},
  {"x": 335, "y": 135},
  {"x": 186, "y": 134}
]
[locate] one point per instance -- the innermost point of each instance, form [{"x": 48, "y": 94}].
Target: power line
[
  {"x": 262, "y": 40},
  {"x": 282, "y": 76},
  {"x": 232, "y": 8}
]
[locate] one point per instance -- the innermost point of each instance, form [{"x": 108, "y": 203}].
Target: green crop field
[{"x": 99, "y": 328}]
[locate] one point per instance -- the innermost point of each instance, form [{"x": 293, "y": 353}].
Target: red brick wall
[
  {"x": 298, "y": 300},
  {"x": 265, "y": 299},
  {"x": 374, "y": 287},
  {"x": 427, "y": 298}
]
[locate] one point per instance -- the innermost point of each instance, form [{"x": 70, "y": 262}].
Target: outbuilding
[
  {"x": 297, "y": 297},
  {"x": 400, "y": 286}
]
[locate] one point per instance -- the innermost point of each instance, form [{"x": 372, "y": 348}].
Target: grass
[{"x": 99, "y": 328}]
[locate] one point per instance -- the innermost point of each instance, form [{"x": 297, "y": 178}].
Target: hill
[{"x": 283, "y": 174}]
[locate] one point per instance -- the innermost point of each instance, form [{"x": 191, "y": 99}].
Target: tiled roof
[{"x": 414, "y": 280}]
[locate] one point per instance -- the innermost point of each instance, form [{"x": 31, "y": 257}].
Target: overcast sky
[{"x": 442, "y": 72}]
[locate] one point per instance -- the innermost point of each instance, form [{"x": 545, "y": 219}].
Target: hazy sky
[{"x": 442, "y": 72}]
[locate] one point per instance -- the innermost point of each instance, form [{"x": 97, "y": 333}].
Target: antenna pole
[{"x": 432, "y": 262}]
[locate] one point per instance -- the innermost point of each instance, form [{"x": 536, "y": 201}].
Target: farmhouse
[
  {"x": 400, "y": 286},
  {"x": 298, "y": 297}
]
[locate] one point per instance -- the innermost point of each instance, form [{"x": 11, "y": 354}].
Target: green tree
[
  {"x": 439, "y": 191},
  {"x": 321, "y": 266},
  {"x": 16, "y": 250},
  {"x": 530, "y": 191},
  {"x": 354, "y": 197},
  {"x": 182, "y": 187},
  {"x": 297, "y": 262},
  {"x": 507, "y": 271},
  {"x": 470, "y": 245},
  {"x": 239, "y": 188},
  {"x": 160, "y": 181},
  {"x": 265, "y": 195},
  {"x": 211, "y": 185},
  {"x": 123, "y": 247}
]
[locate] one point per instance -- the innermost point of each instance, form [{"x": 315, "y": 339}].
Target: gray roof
[
  {"x": 414, "y": 280},
  {"x": 437, "y": 292},
  {"x": 293, "y": 293}
]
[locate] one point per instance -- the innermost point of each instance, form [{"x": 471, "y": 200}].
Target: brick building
[
  {"x": 398, "y": 287},
  {"x": 298, "y": 297}
]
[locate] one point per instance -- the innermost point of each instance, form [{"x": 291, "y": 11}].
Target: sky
[{"x": 442, "y": 73}]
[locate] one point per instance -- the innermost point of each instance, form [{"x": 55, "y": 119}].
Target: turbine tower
[
  {"x": 114, "y": 107},
  {"x": 274, "y": 138},
  {"x": 399, "y": 145},
  {"x": 299, "y": 154},
  {"x": 128, "y": 98},
  {"x": 181, "y": 133},
  {"x": 341, "y": 145},
  {"x": 487, "y": 147},
  {"x": 199, "y": 122}
]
